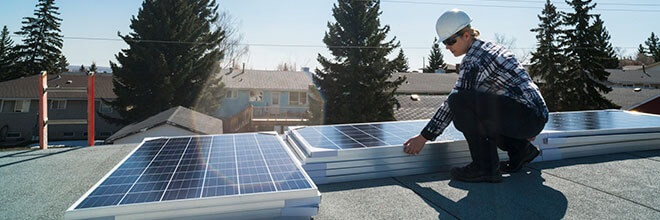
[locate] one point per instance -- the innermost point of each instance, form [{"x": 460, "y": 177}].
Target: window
[
  {"x": 15, "y": 106},
  {"x": 275, "y": 98},
  {"x": 104, "y": 108},
  {"x": 256, "y": 95},
  {"x": 84, "y": 134},
  {"x": 57, "y": 104},
  {"x": 297, "y": 98},
  {"x": 13, "y": 134},
  {"x": 231, "y": 94},
  {"x": 67, "y": 134}
]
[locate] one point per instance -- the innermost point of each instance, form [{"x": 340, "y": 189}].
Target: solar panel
[
  {"x": 331, "y": 140},
  {"x": 601, "y": 121},
  {"x": 185, "y": 169},
  {"x": 347, "y": 152}
]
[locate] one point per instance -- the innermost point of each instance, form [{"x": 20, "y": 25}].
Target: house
[
  {"x": 636, "y": 76},
  {"x": 19, "y": 100},
  {"x": 263, "y": 99},
  {"x": 177, "y": 121},
  {"x": 421, "y": 94}
]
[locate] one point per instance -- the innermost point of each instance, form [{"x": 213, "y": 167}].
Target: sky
[{"x": 291, "y": 31}]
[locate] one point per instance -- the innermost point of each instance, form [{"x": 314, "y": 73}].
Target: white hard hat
[{"x": 451, "y": 22}]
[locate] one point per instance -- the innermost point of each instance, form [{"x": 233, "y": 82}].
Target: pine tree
[
  {"x": 82, "y": 68},
  {"x": 172, "y": 60},
  {"x": 584, "y": 83},
  {"x": 400, "y": 63},
  {"x": 547, "y": 59},
  {"x": 435, "y": 59},
  {"x": 355, "y": 83},
  {"x": 7, "y": 56},
  {"x": 92, "y": 68},
  {"x": 62, "y": 65},
  {"x": 607, "y": 56},
  {"x": 42, "y": 42},
  {"x": 653, "y": 45}
]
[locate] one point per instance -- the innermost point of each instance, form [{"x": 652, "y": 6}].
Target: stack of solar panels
[
  {"x": 242, "y": 176},
  {"x": 337, "y": 153},
  {"x": 588, "y": 133}
]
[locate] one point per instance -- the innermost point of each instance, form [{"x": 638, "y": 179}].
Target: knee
[{"x": 457, "y": 101}]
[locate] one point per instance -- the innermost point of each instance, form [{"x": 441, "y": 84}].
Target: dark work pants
[{"x": 489, "y": 121}]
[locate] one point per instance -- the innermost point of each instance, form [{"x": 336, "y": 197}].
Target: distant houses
[
  {"x": 19, "y": 100},
  {"x": 256, "y": 100}
]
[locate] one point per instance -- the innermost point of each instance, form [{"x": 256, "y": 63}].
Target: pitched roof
[
  {"x": 627, "y": 98},
  {"x": 648, "y": 75},
  {"x": 178, "y": 116},
  {"x": 426, "y": 83},
  {"x": 424, "y": 108},
  {"x": 266, "y": 80},
  {"x": 28, "y": 87}
]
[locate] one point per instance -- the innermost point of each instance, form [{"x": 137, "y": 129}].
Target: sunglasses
[{"x": 452, "y": 40}]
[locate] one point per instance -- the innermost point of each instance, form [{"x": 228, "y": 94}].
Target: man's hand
[{"x": 414, "y": 145}]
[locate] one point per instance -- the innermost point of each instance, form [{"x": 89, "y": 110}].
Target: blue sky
[{"x": 303, "y": 22}]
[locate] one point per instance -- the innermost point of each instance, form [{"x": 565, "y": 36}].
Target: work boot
[
  {"x": 514, "y": 164},
  {"x": 472, "y": 173}
]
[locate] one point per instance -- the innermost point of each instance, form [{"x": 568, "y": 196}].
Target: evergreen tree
[
  {"x": 62, "y": 65},
  {"x": 7, "y": 56},
  {"x": 400, "y": 63},
  {"x": 547, "y": 59},
  {"x": 641, "y": 49},
  {"x": 82, "y": 68},
  {"x": 607, "y": 55},
  {"x": 356, "y": 82},
  {"x": 42, "y": 42},
  {"x": 435, "y": 59},
  {"x": 172, "y": 60},
  {"x": 92, "y": 68},
  {"x": 585, "y": 75},
  {"x": 653, "y": 45}
]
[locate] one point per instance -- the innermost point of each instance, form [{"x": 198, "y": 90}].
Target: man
[{"x": 494, "y": 103}]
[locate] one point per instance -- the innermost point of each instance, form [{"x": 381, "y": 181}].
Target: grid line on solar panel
[
  {"x": 152, "y": 183},
  {"x": 98, "y": 196},
  {"x": 283, "y": 170},
  {"x": 347, "y": 143},
  {"x": 359, "y": 135},
  {"x": 195, "y": 167},
  {"x": 222, "y": 175},
  {"x": 169, "y": 182}
]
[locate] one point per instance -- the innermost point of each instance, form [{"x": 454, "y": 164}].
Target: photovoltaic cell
[
  {"x": 600, "y": 120},
  {"x": 357, "y": 136},
  {"x": 179, "y": 168}
]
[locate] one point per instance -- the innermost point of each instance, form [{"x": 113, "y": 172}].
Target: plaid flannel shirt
[{"x": 491, "y": 68}]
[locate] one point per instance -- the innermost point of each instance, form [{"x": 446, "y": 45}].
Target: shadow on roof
[
  {"x": 38, "y": 154},
  {"x": 521, "y": 195}
]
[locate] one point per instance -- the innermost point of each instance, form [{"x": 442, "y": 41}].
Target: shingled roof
[
  {"x": 28, "y": 87},
  {"x": 266, "y": 80},
  {"x": 426, "y": 83},
  {"x": 649, "y": 75},
  {"x": 178, "y": 116}
]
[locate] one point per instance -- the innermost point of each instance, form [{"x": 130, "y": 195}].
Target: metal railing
[{"x": 278, "y": 112}]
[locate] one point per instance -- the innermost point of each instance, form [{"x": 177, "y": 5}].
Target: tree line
[{"x": 573, "y": 51}]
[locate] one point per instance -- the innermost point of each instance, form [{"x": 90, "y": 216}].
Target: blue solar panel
[
  {"x": 201, "y": 166},
  {"x": 356, "y": 136},
  {"x": 600, "y": 120}
]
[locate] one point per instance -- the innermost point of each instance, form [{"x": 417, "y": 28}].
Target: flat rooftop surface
[{"x": 42, "y": 184}]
